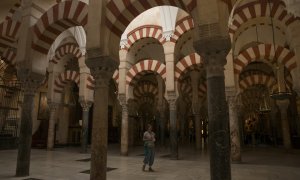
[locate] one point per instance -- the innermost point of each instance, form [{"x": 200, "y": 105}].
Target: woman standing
[{"x": 149, "y": 140}]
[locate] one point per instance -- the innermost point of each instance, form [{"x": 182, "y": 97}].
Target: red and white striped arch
[
  {"x": 143, "y": 67},
  {"x": 267, "y": 53},
  {"x": 257, "y": 79},
  {"x": 116, "y": 76},
  {"x": 120, "y": 13},
  {"x": 9, "y": 30},
  {"x": 65, "y": 49},
  {"x": 9, "y": 56},
  {"x": 57, "y": 19},
  {"x": 182, "y": 26},
  {"x": 190, "y": 62},
  {"x": 12, "y": 11},
  {"x": 63, "y": 79},
  {"x": 148, "y": 31},
  {"x": 187, "y": 91},
  {"x": 145, "y": 88},
  {"x": 259, "y": 9}
]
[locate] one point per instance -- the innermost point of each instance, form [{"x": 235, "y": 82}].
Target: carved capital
[
  {"x": 122, "y": 99},
  {"x": 53, "y": 106},
  {"x": 101, "y": 67},
  {"x": 231, "y": 100},
  {"x": 86, "y": 105},
  {"x": 214, "y": 51},
  {"x": 172, "y": 100}
]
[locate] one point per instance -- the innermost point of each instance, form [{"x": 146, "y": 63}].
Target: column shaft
[
  {"x": 198, "y": 126},
  {"x": 124, "y": 131},
  {"x": 99, "y": 134},
  {"x": 25, "y": 136},
  {"x": 51, "y": 128},
  {"x": 173, "y": 129},
  {"x": 85, "y": 130},
  {"x": 234, "y": 131},
  {"x": 218, "y": 129},
  {"x": 283, "y": 106}
]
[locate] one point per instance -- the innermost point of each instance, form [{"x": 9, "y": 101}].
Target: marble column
[
  {"x": 30, "y": 83},
  {"x": 102, "y": 69},
  {"x": 86, "y": 105},
  {"x": 286, "y": 135},
  {"x": 214, "y": 51},
  {"x": 173, "y": 126},
  {"x": 124, "y": 127},
  {"x": 234, "y": 130},
  {"x": 51, "y": 128}
]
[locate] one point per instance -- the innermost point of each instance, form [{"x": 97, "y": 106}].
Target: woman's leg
[
  {"x": 146, "y": 155},
  {"x": 151, "y": 157}
]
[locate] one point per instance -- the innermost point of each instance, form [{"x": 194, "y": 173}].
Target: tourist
[{"x": 149, "y": 140}]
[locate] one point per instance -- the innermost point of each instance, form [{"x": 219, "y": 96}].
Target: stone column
[
  {"x": 51, "y": 129},
  {"x": 198, "y": 126},
  {"x": 124, "y": 127},
  {"x": 234, "y": 130},
  {"x": 283, "y": 106},
  {"x": 162, "y": 126},
  {"x": 173, "y": 125},
  {"x": 196, "y": 108},
  {"x": 102, "y": 69},
  {"x": 214, "y": 51},
  {"x": 30, "y": 83},
  {"x": 86, "y": 105}
]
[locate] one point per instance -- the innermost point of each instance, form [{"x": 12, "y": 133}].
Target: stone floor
[{"x": 63, "y": 164}]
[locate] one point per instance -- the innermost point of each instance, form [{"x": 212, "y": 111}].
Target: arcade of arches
[{"x": 220, "y": 75}]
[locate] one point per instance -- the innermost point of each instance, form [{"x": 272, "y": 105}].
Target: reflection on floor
[{"x": 69, "y": 164}]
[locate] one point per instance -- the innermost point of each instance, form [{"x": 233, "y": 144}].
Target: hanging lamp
[
  {"x": 281, "y": 90},
  {"x": 264, "y": 105}
]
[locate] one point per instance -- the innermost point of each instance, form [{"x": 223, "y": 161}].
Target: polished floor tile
[{"x": 69, "y": 164}]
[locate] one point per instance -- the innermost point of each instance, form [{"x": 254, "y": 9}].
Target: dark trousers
[{"x": 149, "y": 155}]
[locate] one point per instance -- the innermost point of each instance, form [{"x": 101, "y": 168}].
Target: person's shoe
[
  {"x": 144, "y": 166},
  {"x": 150, "y": 169}
]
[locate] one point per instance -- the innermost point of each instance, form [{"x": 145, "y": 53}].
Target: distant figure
[{"x": 149, "y": 143}]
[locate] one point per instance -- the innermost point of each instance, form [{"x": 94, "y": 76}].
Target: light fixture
[
  {"x": 281, "y": 90},
  {"x": 264, "y": 106}
]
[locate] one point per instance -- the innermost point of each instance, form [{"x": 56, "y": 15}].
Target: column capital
[
  {"x": 53, "y": 106},
  {"x": 172, "y": 100},
  {"x": 214, "y": 51},
  {"x": 122, "y": 99},
  {"x": 102, "y": 67},
  {"x": 30, "y": 81},
  {"x": 85, "y": 104}
]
